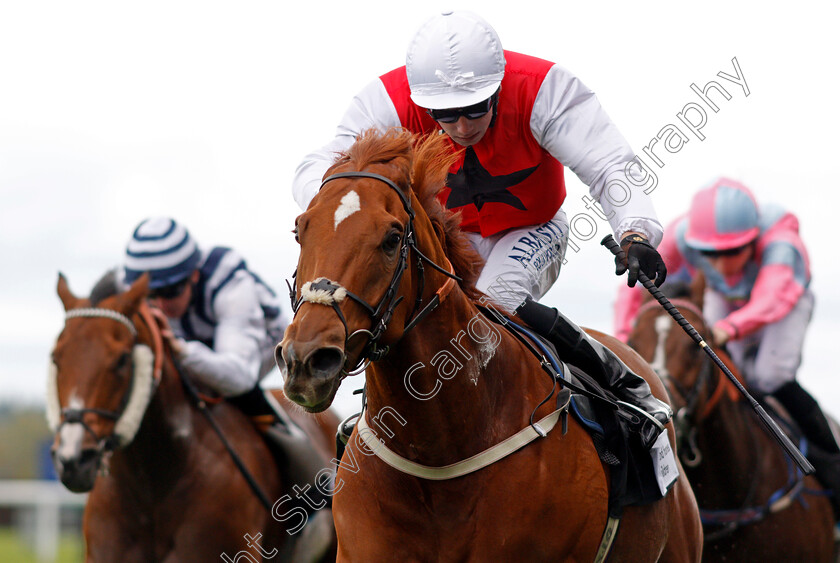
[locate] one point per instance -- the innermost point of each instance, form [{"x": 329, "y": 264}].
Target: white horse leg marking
[
  {"x": 663, "y": 326},
  {"x": 349, "y": 204}
]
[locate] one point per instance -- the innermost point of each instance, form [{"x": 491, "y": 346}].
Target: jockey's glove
[{"x": 640, "y": 256}]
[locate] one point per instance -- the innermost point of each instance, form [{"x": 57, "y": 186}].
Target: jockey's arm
[
  {"x": 372, "y": 107},
  {"x": 569, "y": 122},
  {"x": 775, "y": 293},
  {"x": 232, "y": 366}
]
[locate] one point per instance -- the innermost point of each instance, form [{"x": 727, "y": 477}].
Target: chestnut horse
[
  {"x": 167, "y": 489},
  {"x": 375, "y": 281},
  {"x": 755, "y": 504}
]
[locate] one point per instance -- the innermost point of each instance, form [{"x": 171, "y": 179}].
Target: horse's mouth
[
  {"x": 312, "y": 403},
  {"x": 78, "y": 474}
]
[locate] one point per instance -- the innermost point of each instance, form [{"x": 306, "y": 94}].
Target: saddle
[{"x": 637, "y": 476}]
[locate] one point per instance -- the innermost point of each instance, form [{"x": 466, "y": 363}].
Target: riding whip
[{"x": 791, "y": 450}]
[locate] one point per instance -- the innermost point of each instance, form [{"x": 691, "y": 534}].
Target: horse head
[
  {"x": 360, "y": 281},
  {"x": 682, "y": 365},
  {"x": 101, "y": 379}
]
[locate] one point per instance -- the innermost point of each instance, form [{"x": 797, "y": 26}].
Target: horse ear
[
  {"x": 130, "y": 301},
  {"x": 698, "y": 289},
  {"x": 67, "y": 298}
]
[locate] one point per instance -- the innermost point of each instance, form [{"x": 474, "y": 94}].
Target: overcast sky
[{"x": 111, "y": 112}]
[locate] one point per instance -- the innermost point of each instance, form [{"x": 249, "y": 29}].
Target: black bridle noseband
[{"x": 327, "y": 292}]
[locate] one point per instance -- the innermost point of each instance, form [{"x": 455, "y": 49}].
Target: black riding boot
[
  {"x": 578, "y": 348},
  {"x": 825, "y": 457},
  {"x": 293, "y": 445}
]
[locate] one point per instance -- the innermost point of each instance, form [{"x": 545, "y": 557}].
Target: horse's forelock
[
  {"x": 676, "y": 290},
  {"x": 423, "y": 163},
  {"x": 392, "y": 148},
  {"x": 107, "y": 286}
]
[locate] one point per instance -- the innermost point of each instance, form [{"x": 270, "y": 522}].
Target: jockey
[
  {"x": 757, "y": 302},
  {"x": 221, "y": 322},
  {"x": 515, "y": 121}
]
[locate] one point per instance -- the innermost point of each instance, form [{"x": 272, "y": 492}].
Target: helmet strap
[{"x": 495, "y": 97}]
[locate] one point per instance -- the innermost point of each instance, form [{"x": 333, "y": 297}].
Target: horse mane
[
  {"x": 105, "y": 287},
  {"x": 676, "y": 290},
  {"x": 421, "y": 164},
  {"x": 692, "y": 290}
]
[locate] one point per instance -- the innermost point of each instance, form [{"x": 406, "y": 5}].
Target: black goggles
[
  {"x": 728, "y": 252},
  {"x": 169, "y": 291},
  {"x": 452, "y": 115}
]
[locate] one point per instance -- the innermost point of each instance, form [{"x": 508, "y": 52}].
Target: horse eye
[
  {"x": 123, "y": 362},
  {"x": 391, "y": 242}
]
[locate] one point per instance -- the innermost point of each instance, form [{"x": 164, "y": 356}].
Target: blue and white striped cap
[{"x": 163, "y": 248}]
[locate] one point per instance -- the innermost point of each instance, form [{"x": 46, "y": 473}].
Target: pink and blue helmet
[{"x": 723, "y": 216}]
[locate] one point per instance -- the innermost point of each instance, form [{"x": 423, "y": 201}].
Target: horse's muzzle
[
  {"x": 78, "y": 473},
  {"x": 313, "y": 380}
]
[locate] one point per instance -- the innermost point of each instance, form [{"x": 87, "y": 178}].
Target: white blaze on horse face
[
  {"x": 72, "y": 434},
  {"x": 349, "y": 204},
  {"x": 663, "y": 326}
]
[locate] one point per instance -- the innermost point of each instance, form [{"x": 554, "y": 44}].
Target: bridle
[
  {"x": 70, "y": 415},
  {"x": 326, "y": 292}
]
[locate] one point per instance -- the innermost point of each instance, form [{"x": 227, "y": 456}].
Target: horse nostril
[{"x": 325, "y": 362}]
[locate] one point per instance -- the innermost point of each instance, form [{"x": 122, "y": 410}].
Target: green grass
[{"x": 14, "y": 550}]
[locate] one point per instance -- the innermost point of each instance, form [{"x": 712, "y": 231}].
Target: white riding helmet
[{"x": 454, "y": 60}]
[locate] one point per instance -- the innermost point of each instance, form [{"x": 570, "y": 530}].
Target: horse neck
[
  {"x": 437, "y": 392},
  {"x": 164, "y": 438},
  {"x": 731, "y": 445}
]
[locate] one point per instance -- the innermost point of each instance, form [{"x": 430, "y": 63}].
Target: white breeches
[{"x": 521, "y": 262}]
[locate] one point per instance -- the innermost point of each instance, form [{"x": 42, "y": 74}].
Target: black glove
[{"x": 638, "y": 256}]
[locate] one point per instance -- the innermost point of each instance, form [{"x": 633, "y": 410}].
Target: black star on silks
[{"x": 474, "y": 184}]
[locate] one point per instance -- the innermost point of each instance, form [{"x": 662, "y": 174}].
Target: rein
[
  {"x": 200, "y": 403},
  {"x": 326, "y": 292}
]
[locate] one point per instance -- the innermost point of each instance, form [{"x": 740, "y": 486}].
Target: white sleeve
[
  {"x": 569, "y": 122},
  {"x": 232, "y": 366},
  {"x": 372, "y": 107}
]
